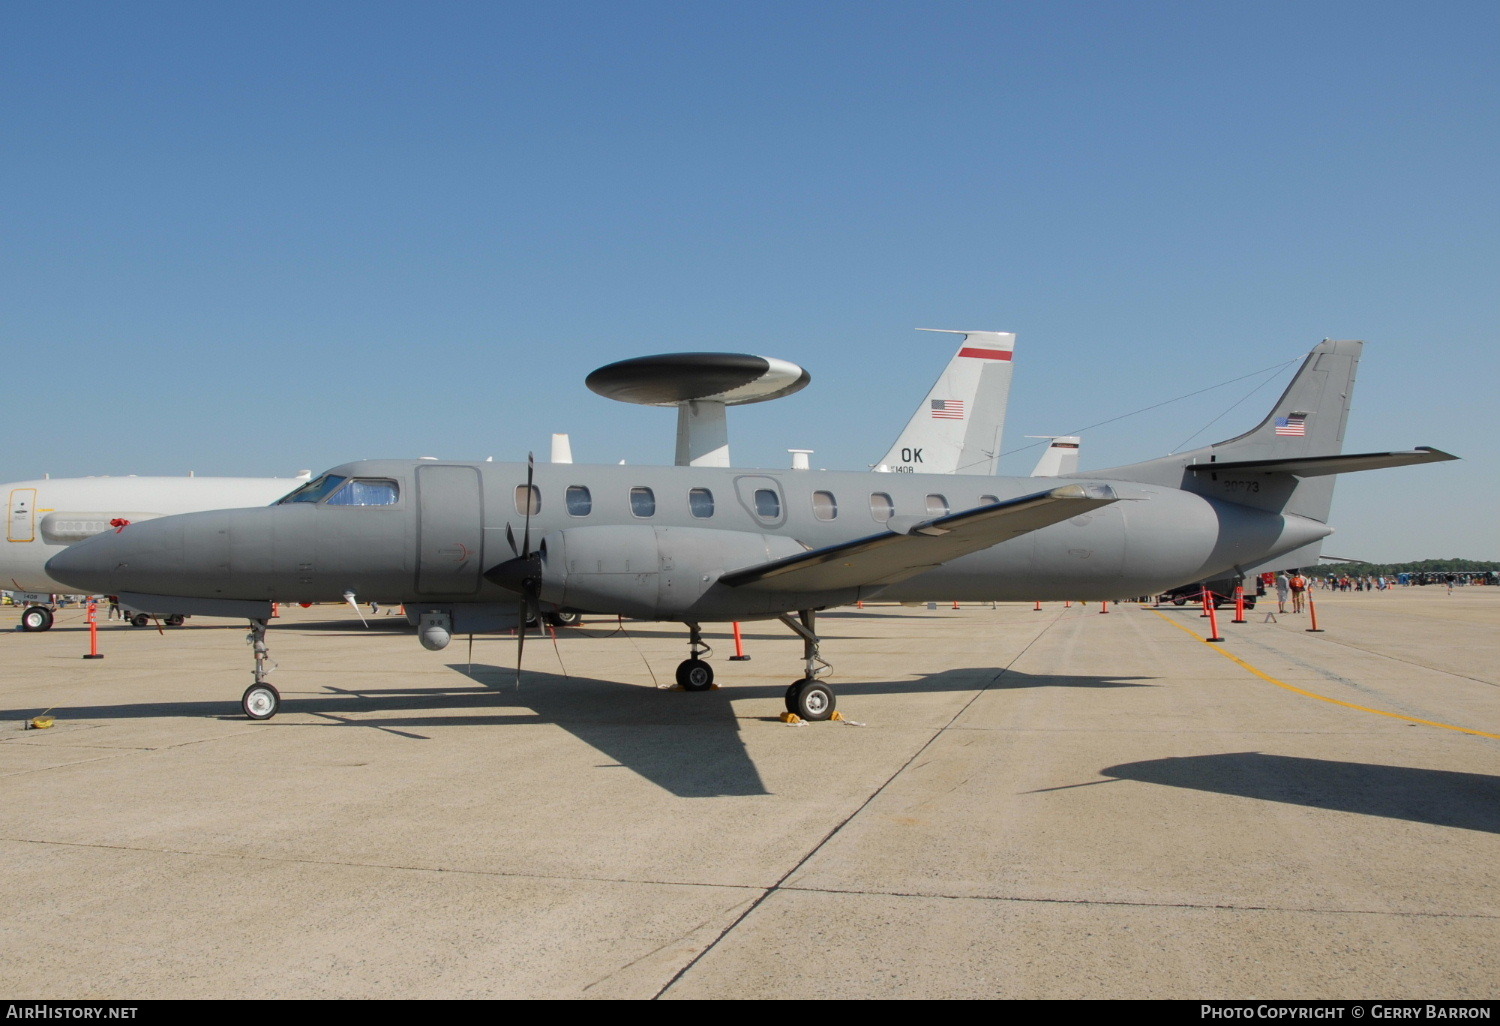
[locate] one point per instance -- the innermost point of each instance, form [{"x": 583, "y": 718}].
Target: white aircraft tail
[
  {"x": 957, "y": 428},
  {"x": 1061, "y": 457}
]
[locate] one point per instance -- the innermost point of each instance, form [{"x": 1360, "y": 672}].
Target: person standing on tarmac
[
  {"x": 1283, "y": 585},
  {"x": 1297, "y": 585}
]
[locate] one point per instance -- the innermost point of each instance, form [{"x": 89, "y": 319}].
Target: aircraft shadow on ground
[
  {"x": 1470, "y": 801},
  {"x": 687, "y": 743}
]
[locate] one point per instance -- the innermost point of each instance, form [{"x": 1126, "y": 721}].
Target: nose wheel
[{"x": 260, "y": 701}]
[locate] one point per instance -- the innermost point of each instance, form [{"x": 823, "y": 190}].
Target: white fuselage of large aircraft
[{"x": 46, "y": 516}]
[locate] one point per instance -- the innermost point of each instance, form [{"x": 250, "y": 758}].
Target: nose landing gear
[{"x": 260, "y": 700}]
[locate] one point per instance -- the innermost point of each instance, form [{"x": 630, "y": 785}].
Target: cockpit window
[
  {"x": 314, "y": 491},
  {"x": 366, "y": 492}
]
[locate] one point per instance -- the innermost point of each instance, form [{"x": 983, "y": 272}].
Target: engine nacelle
[{"x": 652, "y": 573}]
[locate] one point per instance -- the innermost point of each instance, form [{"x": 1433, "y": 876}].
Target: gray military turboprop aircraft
[{"x": 476, "y": 547}]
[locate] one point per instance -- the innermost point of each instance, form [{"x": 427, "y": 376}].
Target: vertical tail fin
[
  {"x": 1061, "y": 457},
  {"x": 1308, "y": 420},
  {"x": 957, "y": 428}
]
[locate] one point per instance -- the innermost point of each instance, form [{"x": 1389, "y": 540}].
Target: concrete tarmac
[{"x": 1053, "y": 804}]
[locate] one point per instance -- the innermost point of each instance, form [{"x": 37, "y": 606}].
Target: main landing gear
[
  {"x": 36, "y": 618},
  {"x": 693, "y": 673},
  {"x": 260, "y": 700},
  {"x": 808, "y": 698}
]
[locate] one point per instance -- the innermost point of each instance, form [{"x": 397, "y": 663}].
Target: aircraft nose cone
[
  {"x": 86, "y": 565},
  {"x": 137, "y": 558}
]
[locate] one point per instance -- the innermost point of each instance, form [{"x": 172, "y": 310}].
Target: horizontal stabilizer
[
  {"x": 1320, "y": 466},
  {"x": 909, "y": 548}
]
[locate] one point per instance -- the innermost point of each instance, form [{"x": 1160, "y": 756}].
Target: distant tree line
[{"x": 1423, "y": 566}]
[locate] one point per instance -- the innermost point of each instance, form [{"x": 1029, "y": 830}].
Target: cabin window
[
  {"x": 825, "y": 506},
  {"x": 528, "y": 500},
  {"x": 642, "y": 501},
  {"x": 363, "y": 492},
  {"x": 701, "y": 503},
  {"x": 881, "y": 507},
  {"x": 579, "y": 501},
  {"x": 313, "y": 491},
  {"x": 937, "y": 504},
  {"x": 767, "y": 503},
  {"x": 988, "y": 500}
]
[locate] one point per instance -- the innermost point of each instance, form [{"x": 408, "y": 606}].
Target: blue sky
[{"x": 248, "y": 238}]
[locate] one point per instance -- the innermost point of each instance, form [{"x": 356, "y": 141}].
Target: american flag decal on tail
[
  {"x": 1295, "y": 424},
  {"x": 947, "y": 409}
]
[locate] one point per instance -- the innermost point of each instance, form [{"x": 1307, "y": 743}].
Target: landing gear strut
[
  {"x": 809, "y": 698},
  {"x": 693, "y": 673},
  {"x": 260, "y": 700}
]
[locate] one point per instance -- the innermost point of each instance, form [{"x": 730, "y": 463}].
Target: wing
[
  {"x": 1319, "y": 466},
  {"x": 911, "y": 547}
]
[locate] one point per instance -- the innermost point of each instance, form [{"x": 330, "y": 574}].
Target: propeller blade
[
  {"x": 510, "y": 536},
  {"x": 530, "y": 501},
  {"x": 524, "y": 573},
  {"x": 520, "y": 639}
]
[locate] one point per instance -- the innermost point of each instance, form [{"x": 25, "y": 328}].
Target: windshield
[{"x": 314, "y": 490}]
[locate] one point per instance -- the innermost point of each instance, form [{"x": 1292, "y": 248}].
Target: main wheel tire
[
  {"x": 260, "y": 701},
  {"x": 1179, "y": 601},
  {"x": 175, "y": 620},
  {"x": 140, "y": 620},
  {"x": 694, "y": 675},
  {"x": 810, "y": 700},
  {"x": 565, "y": 618},
  {"x": 36, "y": 618}
]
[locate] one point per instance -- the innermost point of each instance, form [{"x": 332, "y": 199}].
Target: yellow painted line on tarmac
[{"x": 1313, "y": 694}]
